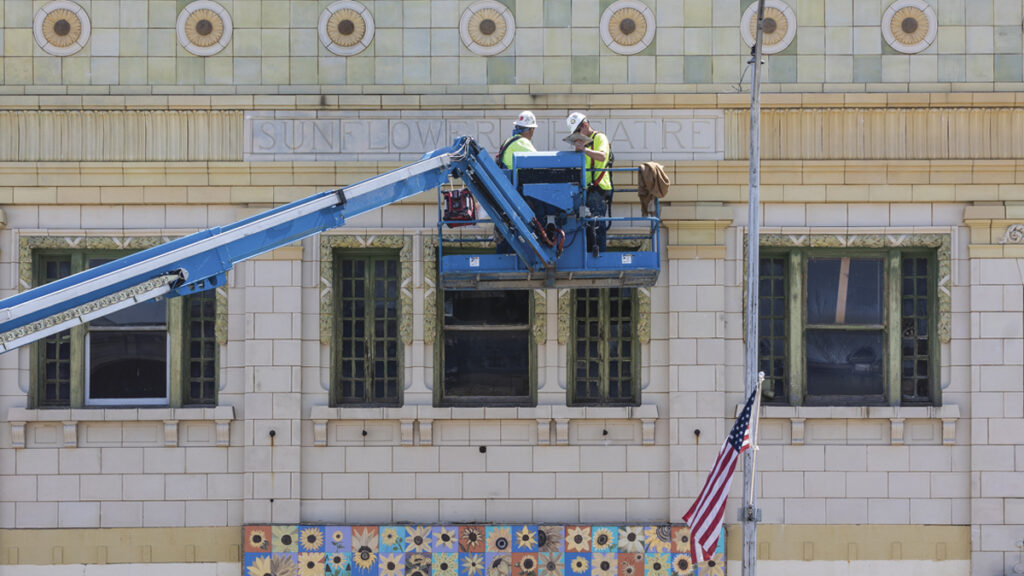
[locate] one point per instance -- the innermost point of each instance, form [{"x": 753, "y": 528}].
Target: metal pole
[{"x": 749, "y": 512}]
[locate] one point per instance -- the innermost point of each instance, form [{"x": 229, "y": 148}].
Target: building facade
[{"x": 331, "y": 383}]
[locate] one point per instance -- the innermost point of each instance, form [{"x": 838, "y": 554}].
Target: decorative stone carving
[
  {"x": 487, "y": 27},
  {"x": 627, "y": 26},
  {"x": 204, "y": 28},
  {"x": 778, "y": 29},
  {"x": 328, "y": 243},
  {"x": 909, "y": 26},
  {"x": 1014, "y": 235},
  {"x": 61, "y": 28},
  {"x": 346, "y": 28},
  {"x": 540, "y": 316}
]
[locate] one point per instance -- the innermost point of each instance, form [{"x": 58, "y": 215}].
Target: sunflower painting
[
  {"x": 445, "y": 538},
  {"x": 631, "y": 564},
  {"x": 257, "y": 565},
  {"x": 549, "y": 538},
  {"x": 577, "y": 539},
  {"x": 391, "y": 565},
  {"x": 656, "y": 565},
  {"x": 338, "y": 538},
  {"x": 551, "y": 564},
  {"x": 276, "y": 565},
  {"x": 499, "y": 565},
  {"x": 681, "y": 539},
  {"x": 604, "y": 564},
  {"x": 605, "y": 539},
  {"x": 681, "y": 565},
  {"x": 715, "y": 566},
  {"x": 577, "y": 565},
  {"x": 392, "y": 539},
  {"x": 311, "y": 564},
  {"x": 631, "y": 539},
  {"x": 471, "y": 539},
  {"x": 257, "y": 539},
  {"x": 417, "y": 539},
  {"x": 285, "y": 539},
  {"x": 445, "y": 564},
  {"x": 311, "y": 539},
  {"x": 364, "y": 548},
  {"x": 472, "y": 565},
  {"x": 526, "y": 539},
  {"x": 474, "y": 550},
  {"x": 659, "y": 538},
  {"x": 417, "y": 564},
  {"x": 499, "y": 539},
  {"x": 338, "y": 564},
  {"x": 524, "y": 564}
]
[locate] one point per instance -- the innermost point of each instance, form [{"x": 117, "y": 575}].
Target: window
[
  {"x": 848, "y": 327},
  {"x": 155, "y": 353},
  {"x": 367, "y": 349},
  {"x": 604, "y": 355},
  {"x": 487, "y": 351}
]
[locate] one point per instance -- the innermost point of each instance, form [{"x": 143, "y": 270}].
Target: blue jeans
[{"x": 597, "y": 232}]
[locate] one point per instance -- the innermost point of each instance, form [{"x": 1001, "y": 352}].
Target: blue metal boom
[{"x": 200, "y": 261}]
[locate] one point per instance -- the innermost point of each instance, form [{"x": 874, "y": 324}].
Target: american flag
[{"x": 705, "y": 516}]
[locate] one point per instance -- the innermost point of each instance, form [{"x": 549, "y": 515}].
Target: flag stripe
[{"x": 707, "y": 512}]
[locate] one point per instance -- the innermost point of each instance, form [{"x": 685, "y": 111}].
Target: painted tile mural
[{"x": 474, "y": 550}]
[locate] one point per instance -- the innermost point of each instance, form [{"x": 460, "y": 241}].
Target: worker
[
  {"x": 598, "y": 151},
  {"x": 520, "y": 141}
]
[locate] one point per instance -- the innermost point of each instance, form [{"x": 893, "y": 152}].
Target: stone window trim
[
  {"x": 401, "y": 242},
  {"x": 553, "y": 421},
  {"x": 949, "y": 414},
  {"x": 221, "y": 416}
]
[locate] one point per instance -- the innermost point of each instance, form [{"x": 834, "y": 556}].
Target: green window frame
[
  {"x": 59, "y": 377},
  {"x": 367, "y": 349},
  {"x": 859, "y": 320},
  {"x": 495, "y": 329},
  {"x": 604, "y": 350}
]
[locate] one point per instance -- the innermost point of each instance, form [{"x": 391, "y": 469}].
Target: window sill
[
  {"x": 896, "y": 415},
  {"x": 71, "y": 418},
  {"x": 416, "y": 422}
]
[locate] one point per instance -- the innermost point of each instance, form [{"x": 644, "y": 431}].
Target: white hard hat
[
  {"x": 526, "y": 120},
  {"x": 574, "y": 120}
]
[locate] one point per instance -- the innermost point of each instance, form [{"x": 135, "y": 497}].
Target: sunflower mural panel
[{"x": 474, "y": 550}]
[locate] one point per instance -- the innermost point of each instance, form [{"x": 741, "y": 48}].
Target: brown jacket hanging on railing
[{"x": 653, "y": 183}]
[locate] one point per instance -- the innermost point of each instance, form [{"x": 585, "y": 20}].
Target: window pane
[
  {"x": 54, "y": 378},
  {"x": 487, "y": 308},
  {"x": 844, "y": 363},
  {"x": 201, "y": 383},
  {"x": 367, "y": 347},
  {"x": 130, "y": 365},
  {"x": 772, "y": 357},
  {"x": 845, "y": 290},
  {"x": 492, "y": 363},
  {"x": 915, "y": 376}
]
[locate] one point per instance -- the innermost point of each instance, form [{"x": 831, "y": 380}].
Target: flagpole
[{"x": 749, "y": 513}]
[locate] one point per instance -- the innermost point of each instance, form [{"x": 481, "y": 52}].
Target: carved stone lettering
[{"x": 636, "y": 135}]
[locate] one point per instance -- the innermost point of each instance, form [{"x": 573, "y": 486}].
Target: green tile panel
[{"x": 417, "y": 49}]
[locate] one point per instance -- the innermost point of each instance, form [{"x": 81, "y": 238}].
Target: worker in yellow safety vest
[
  {"x": 598, "y": 151},
  {"x": 520, "y": 141}
]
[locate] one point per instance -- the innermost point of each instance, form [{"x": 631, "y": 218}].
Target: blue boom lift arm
[{"x": 200, "y": 261}]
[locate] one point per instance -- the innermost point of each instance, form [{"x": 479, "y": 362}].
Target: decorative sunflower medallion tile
[{"x": 474, "y": 550}]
